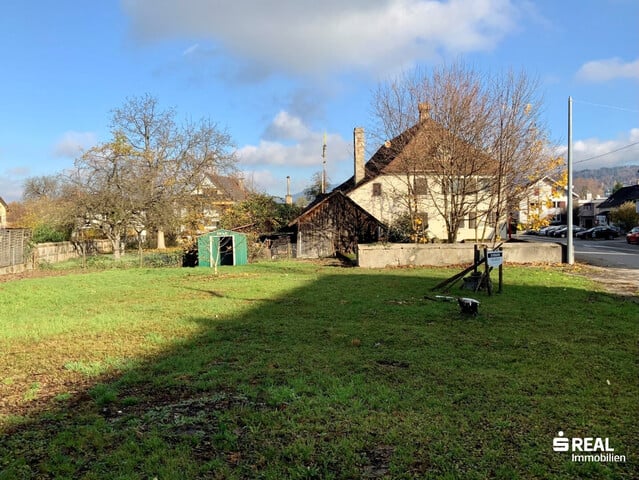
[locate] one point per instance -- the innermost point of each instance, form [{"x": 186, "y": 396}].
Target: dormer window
[{"x": 377, "y": 189}]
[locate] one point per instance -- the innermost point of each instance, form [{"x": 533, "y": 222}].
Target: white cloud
[
  {"x": 11, "y": 182},
  {"x": 289, "y": 141},
  {"x": 608, "y": 69},
  {"x": 592, "y": 153},
  {"x": 289, "y": 147},
  {"x": 71, "y": 144},
  {"x": 287, "y": 127},
  {"x": 305, "y": 36}
]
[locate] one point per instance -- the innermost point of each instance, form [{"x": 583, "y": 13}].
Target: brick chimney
[
  {"x": 424, "y": 111},
  {"x": 359, "y": 154}
]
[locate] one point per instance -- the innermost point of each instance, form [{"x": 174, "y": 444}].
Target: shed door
[{"x": 226, "y": 251}]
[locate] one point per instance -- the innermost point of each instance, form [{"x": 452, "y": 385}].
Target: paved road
[
  {"x": 615, "y": 263},
  {"x": 603, "y": 253},
  {"x": 607, "y": 253}
]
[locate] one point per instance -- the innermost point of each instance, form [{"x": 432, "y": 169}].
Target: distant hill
[
  {"x": 608, "y": 176},
  {"x": 601, "y": 180}
]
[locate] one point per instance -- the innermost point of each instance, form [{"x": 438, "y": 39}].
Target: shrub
[{"x": 48, "y": 233}]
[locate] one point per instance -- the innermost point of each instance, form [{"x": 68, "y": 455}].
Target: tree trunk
[
  {"x": 116, "y": 243},
  {"x": 161, "y": 245}
]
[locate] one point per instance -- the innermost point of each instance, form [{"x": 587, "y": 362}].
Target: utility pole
[
  {"x": 324, "y": 165},
  {"x": 570, "y": 252}
]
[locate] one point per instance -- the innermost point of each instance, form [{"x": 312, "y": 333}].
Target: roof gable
[
  {"x": 326, "y": 199},
  {"x": 621, "y": 196}
]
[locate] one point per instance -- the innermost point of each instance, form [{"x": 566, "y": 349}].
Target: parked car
[
  {"x": 542, "y": 230},
  {"x": 600, "y": 231},
  {"x": 633, "y": 235},
  {"x": 547, "y": 231},
  {"x": 552, "y": 230},
  {"x": 561, "y": 232}
]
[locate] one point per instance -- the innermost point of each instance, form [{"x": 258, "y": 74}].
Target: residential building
[
  {"x": 208, "y": 202},
  {"x": 412, "y": 175},
  {"x": 3, "y": 213},
  {"x": 545, "y": 202},
  {"x": 617, "y": 199},
  {"x": 589, "y": 212}
]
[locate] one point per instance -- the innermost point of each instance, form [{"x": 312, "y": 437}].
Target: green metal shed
[{"x": 222, "y": 247}]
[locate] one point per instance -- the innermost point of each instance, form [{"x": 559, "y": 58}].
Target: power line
[
  {"x": 607, "y": 106},
  {"x": 607, "y": 153}
]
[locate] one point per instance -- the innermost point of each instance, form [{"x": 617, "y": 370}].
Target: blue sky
[{"x": 279, "y": 74}]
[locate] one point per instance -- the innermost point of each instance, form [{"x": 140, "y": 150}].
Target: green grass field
[{"x": 300, "y": 370}]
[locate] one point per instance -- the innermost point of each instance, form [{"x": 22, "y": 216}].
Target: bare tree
[
  {"x": 437, "y": 126},
  {"x": 518, "y": 141},
  {"x": 171, "y": 159},
  {"x": 464, "y": 144},
  {"x": 104, "y": 188}
]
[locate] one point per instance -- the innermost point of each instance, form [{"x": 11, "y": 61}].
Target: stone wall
[{"x": 435, "y": 255}]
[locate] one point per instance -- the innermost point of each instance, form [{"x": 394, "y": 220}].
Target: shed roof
[
  {"x": 336, "y": 195},
  {"x": 221, "y": 232}
]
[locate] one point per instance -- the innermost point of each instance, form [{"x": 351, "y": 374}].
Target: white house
[
  {"x": 406, "y": 174},
  {"x": 545, "y": 202},
  {"x": 3, "y": 213}
]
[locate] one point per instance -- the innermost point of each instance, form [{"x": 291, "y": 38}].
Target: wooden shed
[
  {"x": 222, "y": 247},
  {"x": 332, "y": 224}
]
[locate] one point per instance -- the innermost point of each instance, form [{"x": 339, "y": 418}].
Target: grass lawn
[{"x": 299, "y": 370}]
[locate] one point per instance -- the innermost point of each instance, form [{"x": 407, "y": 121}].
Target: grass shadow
[{"x": 353, "y": 374}]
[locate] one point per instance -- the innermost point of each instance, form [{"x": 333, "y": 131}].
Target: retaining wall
[{"x": 435, "y": 255}]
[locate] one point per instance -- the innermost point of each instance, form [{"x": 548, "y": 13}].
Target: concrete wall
[
  {"x": 404, "y": 254},
  {"x": 54, "y": 252}
]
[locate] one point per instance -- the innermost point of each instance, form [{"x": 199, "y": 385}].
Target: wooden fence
[{"x": 14, "y": 246}]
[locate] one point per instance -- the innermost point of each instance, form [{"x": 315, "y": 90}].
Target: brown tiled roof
[
  {"x": 422, "y": 139},
  {"x": 231, "y": 188}
]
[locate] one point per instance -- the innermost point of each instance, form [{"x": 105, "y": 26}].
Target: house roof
[
  {"x": 3, "y": 202},
  {"x": 621, "y": 196},
  {"x": 230, "y": 188},
  {"x": 327, "y": 198},
  {"x": 553, "y": 183},
  {"x": 422, "y": 141}
]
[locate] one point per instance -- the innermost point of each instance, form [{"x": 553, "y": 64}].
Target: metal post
[
  {"x": 324, "y": 165},
  {"x": 570, "y": 252}
]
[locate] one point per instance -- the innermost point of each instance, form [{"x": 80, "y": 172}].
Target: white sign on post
[{"x": 495, "y": 259}]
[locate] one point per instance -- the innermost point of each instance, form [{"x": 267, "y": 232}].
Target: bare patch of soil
[{"x": 620, "y": 281}]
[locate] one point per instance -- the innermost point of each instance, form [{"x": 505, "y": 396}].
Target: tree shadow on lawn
[{"x": 357, "y": 376}]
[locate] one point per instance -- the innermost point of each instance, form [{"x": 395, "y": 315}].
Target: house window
[
  {"x": 472, "y": 186},
  {"x": 472, "y": 220},
  {"x": 420, "y": 184},
  {"x": 377, "y": 189}
]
